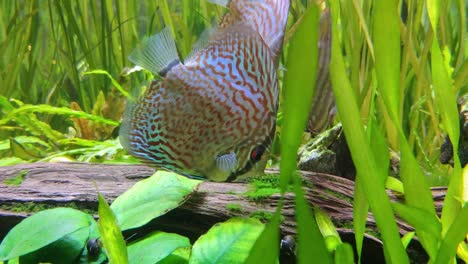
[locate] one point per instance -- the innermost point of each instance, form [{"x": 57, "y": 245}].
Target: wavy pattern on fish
[
  {"x": 208, "y": 115},
  {"x": 267, "y": 17}
]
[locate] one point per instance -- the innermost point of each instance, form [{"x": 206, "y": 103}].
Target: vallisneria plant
[{"x": 397, "y": 69}]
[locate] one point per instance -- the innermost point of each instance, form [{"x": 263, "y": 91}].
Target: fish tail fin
[{"x": 157, "y": 53}]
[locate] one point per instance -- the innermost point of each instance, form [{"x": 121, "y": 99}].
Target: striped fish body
[
  {"x": 267, "y": 17},
  {"x": 210, "y": 115}
]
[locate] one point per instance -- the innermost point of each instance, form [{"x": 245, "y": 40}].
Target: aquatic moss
[
  {"x": 263, "y": 186},
  {"x": 234, "y": 207},
  {"x": 263, "y": 216},
  {"x": 16, "y": 180},
  {"x": 31, "y": 207}
]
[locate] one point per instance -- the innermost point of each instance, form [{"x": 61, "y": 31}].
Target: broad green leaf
[
  {"x": 299, "y": 86},
  {"x": 64, "y": 250},
  {"x": 93, "y": 257},
  {"x": 42, "y": 229},
  {"x": 361, "y": 151},
  {"x": 311, "y": 244},
  {"x": 111, "y": 236},
  {"x": 420, "y": 219},
  {"x": 151, "y": 198},
  {"x": 155, "y": 247},
  {"x": 266, "y": 249},
  {"x": 179, "y": 256},
  {"x": 228, "y": 242},
  {"x": 455, "y": 234}
]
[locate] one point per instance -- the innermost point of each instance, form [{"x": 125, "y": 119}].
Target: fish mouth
[{"x": 249, "y": 165}]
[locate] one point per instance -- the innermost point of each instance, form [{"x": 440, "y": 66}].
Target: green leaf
[
  {"x": 228, "y": 242},
  {"x": 179, "y": 256},
  {"x": 9, "y": 161},
  {"x": 328, "y": 230},
  {"x": 266, "y": 249},
  {"x": 299, "y": 86},
  {"x": 111, "y": 236},
  {"x": 311, "y": 244},
  {"x": 420, "y": 219},
  {"x": 360, "y": 212},
  {"x": 447, "y": 102},
  {"x": 406, "y": 239},
  {"x": 344, "y": 254},
  {"x": 361, "y": 150},
  {"x": 93, "y": 258},
  {"x": 455, "y": 234},
  {"x": 151, "y": 198},
  {"x": 155, "y": 247},
  {"x": 114, "y": 82},
  {"x": 387, "y": 64},
  {"x": 48, "y": 109},
  {"x": 65, "y": 250},
  {"x": 394, "y": 184},
  {"x": 42, "y": 229}
]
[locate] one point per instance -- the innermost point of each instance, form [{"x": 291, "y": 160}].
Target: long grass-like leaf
[
  {"x": 114, "y": 82},
  {"x": 55, "y": 110},
  {"x": 455, "y": 234},
  {"x": 110, "y": 233},
  {"x": 299, "y": 89},
  {"x": 361, "y": 152}
]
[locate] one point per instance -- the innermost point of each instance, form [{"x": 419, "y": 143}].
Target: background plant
[{"x": 397, "y": 70}]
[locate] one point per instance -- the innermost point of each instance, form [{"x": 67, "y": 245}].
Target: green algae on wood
[{"x": 16, "y": 180}]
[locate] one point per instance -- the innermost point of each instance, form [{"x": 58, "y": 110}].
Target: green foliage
[
  {"x": 397, "y": 69},
  {"x": 151, "y": 198},
  {"x": 111, "y": 236},
  {"x": 234, "y": 207},
  {"x": 46, "y": 227},
  {"x": 16, "y": 180},
  {"x": 232, "y": 240},
  {"x": 144, "y": 251},
  {"x": 60, "y": 235}
]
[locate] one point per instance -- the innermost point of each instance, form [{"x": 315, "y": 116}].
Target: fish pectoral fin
[
  {"x": 226, "y": 162},
  {"x": 157, "y": 53}
]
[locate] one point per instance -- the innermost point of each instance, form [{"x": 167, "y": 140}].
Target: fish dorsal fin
[
  {"x": 202, "y": 41},
  {"x": 267, "y": 17},
  {"x": 220, "y": 2},
  {"x": 157, "y": 53}
]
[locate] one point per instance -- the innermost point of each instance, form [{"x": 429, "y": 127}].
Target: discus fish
[
  {"x": 212, "y": 116},
  {"x": 267, "y": 17}
]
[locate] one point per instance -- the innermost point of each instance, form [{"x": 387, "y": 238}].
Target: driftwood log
[{"x": 47, "y": 185}]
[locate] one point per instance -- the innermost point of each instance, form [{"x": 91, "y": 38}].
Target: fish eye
[{"x": 257, "y": 153}]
